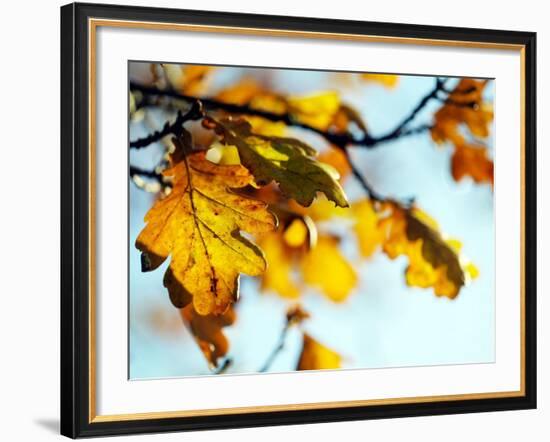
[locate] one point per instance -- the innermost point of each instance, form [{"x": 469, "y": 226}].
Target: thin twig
[
  {"x": 362, "y": 180},
  {"x": 400, "y": 128},
  {"x": 278, "y": 348},
  {"x": 227, "y": 362}
]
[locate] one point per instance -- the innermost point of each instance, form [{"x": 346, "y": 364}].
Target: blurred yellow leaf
[
  {"x": 315, "y": 356},
  {"x": 321, "y": 110},
  {"x": 370, "y": 235},
  {"x": 187, "y": 79},
  {"x": 296, "y": 234},
  {"x": 208, "y": 333},
  {"x": 325, "y": 267},
  {"x": 278, "y": 275},
  {"x": 297, "y": 255},
  {"x": 388, "y": 80},
  {"x": 316, "y": 110},
  {"x": 240, "y": 93},
  {"x": 321, "y": 209},
  {"x": 198, "y": 224}
]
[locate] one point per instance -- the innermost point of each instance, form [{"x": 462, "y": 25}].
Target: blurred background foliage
[{"x": 344, "y": 288}]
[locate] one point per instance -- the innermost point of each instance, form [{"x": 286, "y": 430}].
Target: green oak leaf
[{"x": 288, "y": 161}]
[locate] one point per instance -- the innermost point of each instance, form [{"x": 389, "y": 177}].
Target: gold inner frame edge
[{"x": 93, "y": 24}]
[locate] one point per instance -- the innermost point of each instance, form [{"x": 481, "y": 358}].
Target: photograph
[{"x": 282, "y": 220}]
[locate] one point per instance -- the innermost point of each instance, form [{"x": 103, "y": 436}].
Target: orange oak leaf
[
  {"x": 473, "y": 161},
  {"x": 198, "y": 224},
  {"x": 208, "y": 332},
  {"x": 465, "y": 108}
]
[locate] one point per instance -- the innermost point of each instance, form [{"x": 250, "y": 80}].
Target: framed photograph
[{"x": 274, "y": 220}]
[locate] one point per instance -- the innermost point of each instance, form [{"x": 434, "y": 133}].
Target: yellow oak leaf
[
  {"x": 316, "y": 356},
  {"x": 208, "y": 333},
  {"x": 198, "y": 224}
]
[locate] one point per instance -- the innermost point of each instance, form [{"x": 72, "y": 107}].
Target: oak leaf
[
  {"x": 433, "y": 260},
  {"x": 473, "y": 161},
  {"x": 316, "y": 356},
  {"x": 465, "y": 108},
  {"x": 287, "y": 161},
  {"x": 208, "y": 333},
  {"x": 198, "y": 224}
]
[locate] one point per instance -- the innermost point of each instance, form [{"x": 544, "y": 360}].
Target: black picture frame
[{"x": 75, "y": 219}]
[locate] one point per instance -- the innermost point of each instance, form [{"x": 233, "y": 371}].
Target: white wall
[{"x": 29, "y": 285}]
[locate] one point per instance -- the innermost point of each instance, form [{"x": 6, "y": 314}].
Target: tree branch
[
  {"x": 340, "y": 140},
  {"x": 194, "y": 113},
  {"x": 146, "y": 173}
]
